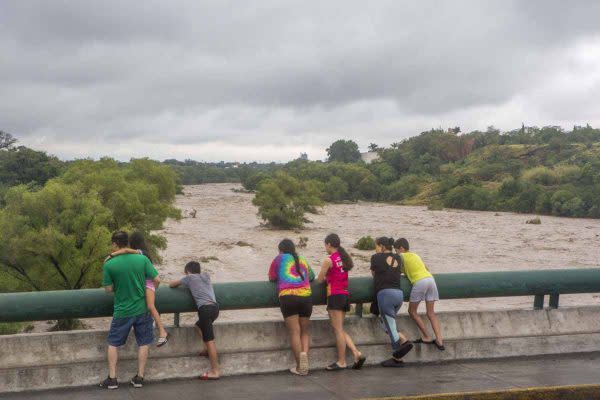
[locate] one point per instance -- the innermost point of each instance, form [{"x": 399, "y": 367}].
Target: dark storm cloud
[{"x": 185, "y": 73}]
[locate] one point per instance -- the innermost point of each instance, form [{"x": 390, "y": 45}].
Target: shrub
[
  {"x": 335, "y": 189},
  {"x": 542, "y": 175},
  {"x": 365, "y": 243},
  {"x": 568, "y": 173},
  {"x": 534, "y": 221},
  {"x": 10, "y": 328},
  {"x": 370, "y": 188},
  {"x": 468, "y": 197},
  {"x": 406, "y": 187}
]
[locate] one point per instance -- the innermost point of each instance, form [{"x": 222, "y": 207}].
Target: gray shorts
[{"x": 424, "y": 290}]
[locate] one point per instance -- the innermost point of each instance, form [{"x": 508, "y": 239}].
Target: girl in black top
[{"x": 386, "y": 268}]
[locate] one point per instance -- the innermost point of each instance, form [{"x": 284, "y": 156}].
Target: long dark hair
[
  {"x": 385, "y": 242},
  {"x": 288, "y": 247},
  {"x": 334, "y": 241},
  {"x": 137, "y": 242}
]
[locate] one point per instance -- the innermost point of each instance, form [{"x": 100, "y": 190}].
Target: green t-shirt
[{"x": 128, "y": 273}]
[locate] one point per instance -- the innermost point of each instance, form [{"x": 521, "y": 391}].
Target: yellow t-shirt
[{"x": 414, "y": 267}]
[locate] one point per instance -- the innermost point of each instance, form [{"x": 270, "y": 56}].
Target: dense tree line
[{"x": 531, "y": 170}]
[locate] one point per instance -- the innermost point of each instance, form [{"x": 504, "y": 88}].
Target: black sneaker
[
  {"x": 137, "y": 381},
  {"x": 403, "y": 350},
  {"x": 110, "y": 383}
]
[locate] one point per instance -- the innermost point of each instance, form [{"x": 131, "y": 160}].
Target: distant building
[{"x": 369, "y": 156}]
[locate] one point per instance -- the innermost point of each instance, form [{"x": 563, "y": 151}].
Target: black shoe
[
  {"x": 403, "y": 350},
  {"x": 137, "y": 381},
  {"x": 109, "y": 383}
]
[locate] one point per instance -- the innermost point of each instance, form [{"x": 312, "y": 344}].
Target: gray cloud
[{"x": 78, "y": 76}]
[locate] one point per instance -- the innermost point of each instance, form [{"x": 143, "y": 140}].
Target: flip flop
[
  {"x": 205, "y": 377},
  {"x": 163, "y": 340},
  {"x": 359, "y": 363},
  {"x": 334, "y": 367},
  {"x": 419, "y": 340},
  {"x": 403, "y": 350},
  {"x": 203, "y": 353},
  {"x": 391, "y": 363},
  {"x": 439, "y": 346}
]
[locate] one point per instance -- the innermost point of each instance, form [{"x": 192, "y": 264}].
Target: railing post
[
  {"x": 538, "y": 302},
  {"x": 359, "y": 310},
  {"x": 553, "y": 303},
  {"x": 176, "y": 320}
]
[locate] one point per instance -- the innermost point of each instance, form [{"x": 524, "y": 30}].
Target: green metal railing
[{"x": 87, "y": 303}]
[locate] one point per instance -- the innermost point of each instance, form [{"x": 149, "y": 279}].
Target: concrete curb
[{"x": 575, "y": 392}]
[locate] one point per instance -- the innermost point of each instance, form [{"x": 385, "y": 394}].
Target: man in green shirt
[{"x": 125, "y": 276}]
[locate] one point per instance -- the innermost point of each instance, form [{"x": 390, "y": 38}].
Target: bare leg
[
  {"x": 305, "y": 334},
  {"x": 336, "y": 318},
  {"x": 150, "y": 298},
  {"x": 113, "y": 356},
  {"x": 434, "y": 322},
  {"x": 202, "y": 353},
  {"x": 293, "y": 326},
  {"x": 211, "y": 349},
  {"x": 355, "y": 352},
  {"x": 142, "y": 358},
  {"x": 412, "y": 311}
]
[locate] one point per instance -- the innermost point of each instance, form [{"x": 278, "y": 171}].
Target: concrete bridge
[{"x": 484, "y": 349}]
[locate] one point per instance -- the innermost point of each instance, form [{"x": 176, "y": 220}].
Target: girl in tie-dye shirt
[{"x": 293, "y": 275}]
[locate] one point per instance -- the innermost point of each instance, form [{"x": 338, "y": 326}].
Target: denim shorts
[{"x": 142, "y": 327}]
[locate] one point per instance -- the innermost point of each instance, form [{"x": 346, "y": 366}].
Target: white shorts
[{"x": 424, "y": 290}]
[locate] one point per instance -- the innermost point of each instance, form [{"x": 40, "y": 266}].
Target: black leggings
[{"x": 207, "y": 314}]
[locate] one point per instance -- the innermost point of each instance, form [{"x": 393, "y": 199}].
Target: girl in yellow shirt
[{"x": 423, "y": 289}]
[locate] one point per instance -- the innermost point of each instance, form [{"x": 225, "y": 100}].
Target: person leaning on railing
[
  {"x": 425, "y": 289},
  {"x": 293, "y": 275},
  {"x": 386, "y": 268}
]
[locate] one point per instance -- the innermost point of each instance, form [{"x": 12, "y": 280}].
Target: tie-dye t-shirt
[{"x": 289, "y": 283}]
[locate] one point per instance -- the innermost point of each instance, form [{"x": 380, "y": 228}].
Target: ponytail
[
  {"x": 334, "y": 241},
  {"x": 287, "y": 246},
  {"x": 385, "y": 242},
  {"x": 346, "y": 259}
]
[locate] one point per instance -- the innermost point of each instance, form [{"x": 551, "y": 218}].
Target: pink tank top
[{"x": 337, "y": 278}]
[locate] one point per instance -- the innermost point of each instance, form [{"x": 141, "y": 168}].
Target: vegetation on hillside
[{"x": 530, "y": 170}]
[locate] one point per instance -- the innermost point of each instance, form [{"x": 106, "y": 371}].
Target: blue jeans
[
  {"x": 142, "y": 327},
  {"x": 389, "y": 302}
]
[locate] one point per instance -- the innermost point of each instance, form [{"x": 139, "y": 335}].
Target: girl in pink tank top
[
  {"x": 337, "y": 276},
  {"x": 334, "y": 272}
]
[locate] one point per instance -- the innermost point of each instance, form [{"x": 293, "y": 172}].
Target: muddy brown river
[{"x": 228, "y": 239}]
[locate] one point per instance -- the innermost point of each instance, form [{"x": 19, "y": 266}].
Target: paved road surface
[{"x": 370, "y": 382}]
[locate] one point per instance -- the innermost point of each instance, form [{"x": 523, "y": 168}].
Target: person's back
[
  {"x": 128, "y": 273},
  {"x": 414, "y": 267},
  {"x": 200, "y": 287},
  {"x": 337, "y": 276},
  {"x": 289, "y": 282}
]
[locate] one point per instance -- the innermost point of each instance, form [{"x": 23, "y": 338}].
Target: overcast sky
[{"x": 266, "y": 80}]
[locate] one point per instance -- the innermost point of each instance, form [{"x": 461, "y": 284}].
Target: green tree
[
  {"x": 54, "y": 238},
  {"x": 23, "y": 165},
  {"x": 283, "y": 200},
  {"x": 6, "y": 140},
  {"x": 335, "y": 189},
  {"x": 345, "y": 151}
]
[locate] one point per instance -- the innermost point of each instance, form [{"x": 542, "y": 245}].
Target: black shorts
[
  {"x": 207, "y": 314},
  {"x": 340, "y": 302},
  {"x": 296, "y": 305}
]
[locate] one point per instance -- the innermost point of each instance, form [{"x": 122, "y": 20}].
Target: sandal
[
  {"x": 203, "y": 353},
  {"x": 403, "y": 350},
  {"x": 296, "y": 372},
  {"x": 206, "y": 377},
  {"x": 163, "y": 340},
  {"x": 419, "y": 340},
  {"x": 392, "y": 363},
  {"x": 359, "y": 363},
  {"x": 440, "y": 347},
  {"x": 334, "y": 367}
]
